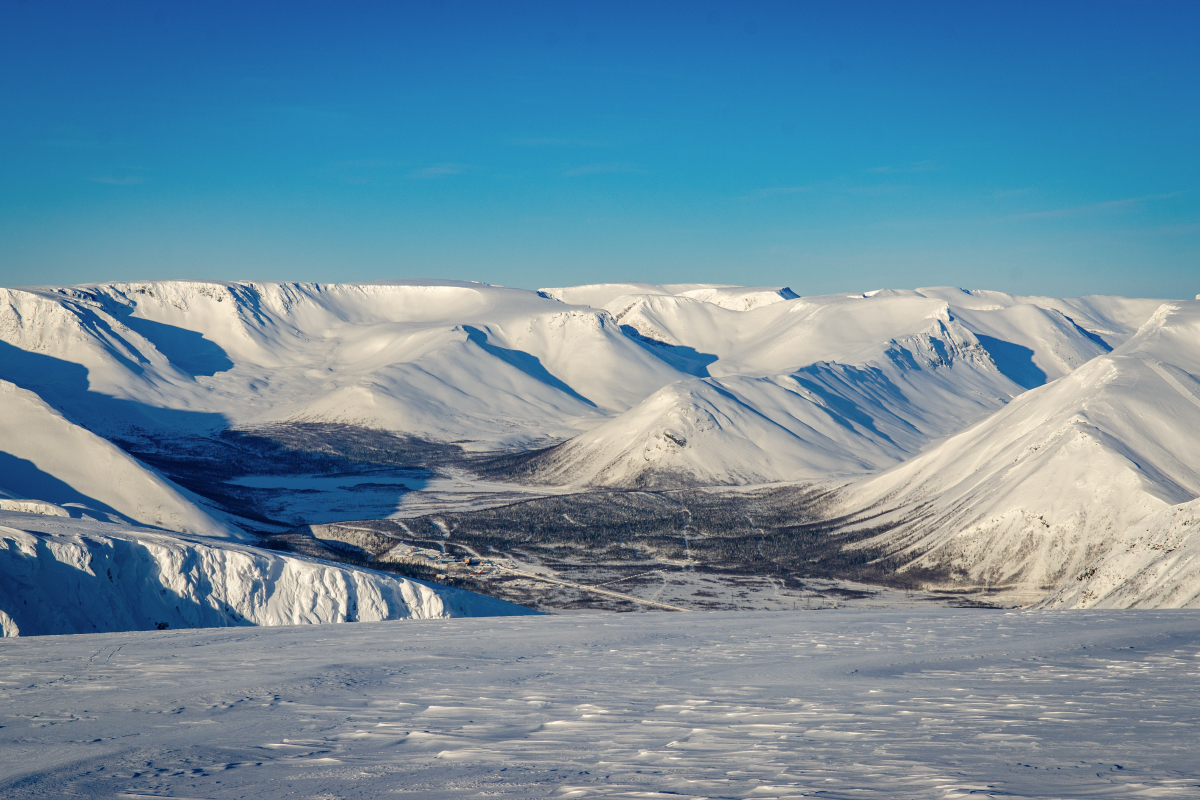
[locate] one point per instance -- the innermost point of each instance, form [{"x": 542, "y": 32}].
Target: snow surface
[
  {"x": 840, "y": 705},
  {"x": 78, "y": 576}
]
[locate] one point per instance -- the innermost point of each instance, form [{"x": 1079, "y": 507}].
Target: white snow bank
[
  {"x": 76, "y": 576},
  {"x": 33, "y": 507}
]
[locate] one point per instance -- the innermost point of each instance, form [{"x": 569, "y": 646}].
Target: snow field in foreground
[{"x": 900, "y": 704}]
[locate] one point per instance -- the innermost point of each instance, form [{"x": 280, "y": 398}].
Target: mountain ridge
[{"x": 921, "y": 406}]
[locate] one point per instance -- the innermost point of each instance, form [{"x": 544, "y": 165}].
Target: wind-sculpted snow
[
  {"x": 898, "y": 705},
  {"x": 72, "y": 576},
  {"x": 1044, "y": 495}
]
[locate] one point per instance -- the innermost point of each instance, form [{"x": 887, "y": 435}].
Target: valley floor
[{"x": 837, "y": 704}]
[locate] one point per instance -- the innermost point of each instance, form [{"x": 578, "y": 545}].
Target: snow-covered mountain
[
  {"x": 493, "y": 367},
  {"x": 989, "y": 414},
  {"x": 1075, "y": 488},
  {"x": 819, "y": 421},
  {"x": 74, "y": 472},
  {"x": 80, "y": 576}
]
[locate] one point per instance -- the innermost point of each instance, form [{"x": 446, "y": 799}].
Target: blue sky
[{"x": 1037, "y": 148}]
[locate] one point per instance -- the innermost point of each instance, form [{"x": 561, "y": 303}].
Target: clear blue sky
[{"x": 1039, "y": 147}]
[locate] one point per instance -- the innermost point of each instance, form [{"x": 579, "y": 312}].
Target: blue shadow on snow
[
  {"x": 1014, "y": 361},
  {"x": 187, "y": 350},
  {"x": 523, "y": 361}
]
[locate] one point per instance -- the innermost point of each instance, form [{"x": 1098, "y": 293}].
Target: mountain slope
[
  {"x": 78, "y": 576},
  {"x": 47, "y": 458},
  {"x": 821, "y": 421},
  {"x": 1154, "y": 563},
  {"x": 1029, "y": 498},
  {"x": 203, "y": 356}
]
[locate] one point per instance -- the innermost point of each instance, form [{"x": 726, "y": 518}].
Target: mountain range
[{"x": 1039, "y": 447}]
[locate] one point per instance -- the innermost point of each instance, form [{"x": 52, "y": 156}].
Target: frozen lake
[{"x": 836, "y": 704}]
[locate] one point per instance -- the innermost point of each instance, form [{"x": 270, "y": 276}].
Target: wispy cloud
[
  {"x": 844, "y": 185},
  {"x": 369, "y": 163},
  {"x": 549, "y": 141},
  {"x": 67, "y": 141},
  {"x": 601, "y": 169},
  {"x": 918, "y": 166},
  {"x": 439, "y": 171},
  {"x": 1183, "y": 228},
  {"x": 118, "y": 180},
  {"x": 1089, "y": 209}
]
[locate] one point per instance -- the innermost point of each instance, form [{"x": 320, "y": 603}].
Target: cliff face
[{"x": 75, "y": 576}]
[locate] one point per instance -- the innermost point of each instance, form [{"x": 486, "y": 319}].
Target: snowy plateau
[{"x": 194, "y": 474}]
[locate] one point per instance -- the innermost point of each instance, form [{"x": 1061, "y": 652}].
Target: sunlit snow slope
[
  {"x": 78, "y": 576},
  {"x": 74, "y": 472},
  {"x": 1082, "y": 487},
  {"x": 638, "y": 385},
  {"x": 652, "y": 385}
]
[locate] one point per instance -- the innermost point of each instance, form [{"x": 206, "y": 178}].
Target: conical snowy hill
[
  {"x": 1033, "y": 498},
  {"x": 824, "y": 420}
]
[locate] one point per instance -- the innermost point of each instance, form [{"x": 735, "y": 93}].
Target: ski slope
[{"x": 922, "y": 705}]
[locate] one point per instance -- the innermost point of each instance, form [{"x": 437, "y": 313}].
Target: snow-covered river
[{"x": 873, "y": 704}]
